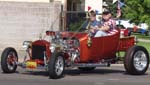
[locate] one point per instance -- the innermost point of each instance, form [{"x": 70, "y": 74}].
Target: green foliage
[
  {"x": 113, "y": 8},
  {"x": 138, "y": 11},
  {"x": 77, "y": 26}
]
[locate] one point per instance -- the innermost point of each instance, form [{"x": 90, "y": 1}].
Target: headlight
[
  {"x": 27, "y": 44},
  {"x": 52, "y": 47}
]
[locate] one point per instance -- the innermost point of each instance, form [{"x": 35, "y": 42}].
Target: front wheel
[
  {"x": 136, "y": 60},
  {"x": 56, "y": 65},
  {"x": 9, "y": 59}
]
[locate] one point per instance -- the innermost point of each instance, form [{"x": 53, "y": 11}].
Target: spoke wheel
[{"x": 9, "y": 59}]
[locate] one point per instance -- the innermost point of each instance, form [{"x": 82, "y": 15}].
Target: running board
[{"x": 92, "y": 65}]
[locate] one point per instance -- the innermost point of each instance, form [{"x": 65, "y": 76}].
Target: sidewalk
[{"x": 143, "y": 40}]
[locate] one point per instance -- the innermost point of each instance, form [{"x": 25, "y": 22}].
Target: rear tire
[
  {"x": 86, "y": 68},
  {"x": 136, "y": 60},
  {"x": 56, "y": 65},
  {"x": 9, "y": 59}
]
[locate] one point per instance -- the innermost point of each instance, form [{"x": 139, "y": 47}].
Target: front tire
[
  {"x": 9, "y": 59},
  {"x": 136, "y": 60},
  {"x": 56, "y": 65}
]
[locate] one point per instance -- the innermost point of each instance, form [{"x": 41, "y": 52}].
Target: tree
[{"x": 137, "y": 11}]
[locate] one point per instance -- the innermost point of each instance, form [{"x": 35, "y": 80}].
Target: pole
[{"x": 64, "y": 10}]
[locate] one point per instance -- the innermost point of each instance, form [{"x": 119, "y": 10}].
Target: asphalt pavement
[{"x": 114, "y": 75}]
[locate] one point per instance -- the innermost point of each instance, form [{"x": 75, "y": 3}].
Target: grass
[
  {"x": 145, "y": 44},
  {"x": 143, "y": 36},
  {"x": 140, "y": 43}
]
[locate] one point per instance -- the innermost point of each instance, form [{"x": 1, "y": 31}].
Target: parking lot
[{"x": 114, "y": 75}]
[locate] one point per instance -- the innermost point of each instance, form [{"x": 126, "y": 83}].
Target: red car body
[
  {"x": 77, "y": 49},
  {"x": 101, "y": 48}
]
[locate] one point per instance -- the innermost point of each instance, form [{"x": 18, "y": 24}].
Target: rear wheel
[
  {"x": 9, "y": 59},
  {"x": 56, "y": 65},
  {"x": 136, "y": 60},
  {"x": 86, "y": 68}
]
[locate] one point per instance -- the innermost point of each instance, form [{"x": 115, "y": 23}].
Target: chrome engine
[{"x": 69, "y": 45}]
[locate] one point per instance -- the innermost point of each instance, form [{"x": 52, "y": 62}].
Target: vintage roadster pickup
[{"x": 77, "y": 49}]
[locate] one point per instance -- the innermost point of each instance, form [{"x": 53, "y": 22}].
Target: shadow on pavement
[
  {"x": 76, "y": 72},
  {"x": 96, "y": 71}
]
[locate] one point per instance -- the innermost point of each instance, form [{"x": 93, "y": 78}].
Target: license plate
[{"x": 31, "y": 64}]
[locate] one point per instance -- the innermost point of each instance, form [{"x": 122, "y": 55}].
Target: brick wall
[{"x": 21, "y": 21}]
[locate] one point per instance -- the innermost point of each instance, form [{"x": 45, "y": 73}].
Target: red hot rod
[{"x": 71, "y": 49}]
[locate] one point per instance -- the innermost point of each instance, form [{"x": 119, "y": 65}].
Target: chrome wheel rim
[
  {"x": 11, "y": 60},
  {"x": 140, "y": 60},
  {"x": 59, "y": 66}
]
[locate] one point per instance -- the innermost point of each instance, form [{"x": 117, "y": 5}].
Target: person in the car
[
  {"x": 105, "y": 26},
  {"x": 92, "y": 24}
]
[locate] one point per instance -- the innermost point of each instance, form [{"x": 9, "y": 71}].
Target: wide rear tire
[
  {"x": 56, "y": 65},
  {"x": 9, "y": 59},
  {"x": 136, "y": 60}
]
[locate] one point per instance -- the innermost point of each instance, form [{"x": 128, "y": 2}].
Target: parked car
[
  {"x": 77, "y": 49},
  {"x": 142, "y": 28},
  {"x": 139, "y": 30},
  {"x": 124, "y": 31}
]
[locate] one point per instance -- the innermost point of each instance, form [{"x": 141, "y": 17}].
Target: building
[
  {"x": 81, "y": 5},
  {"x": 47, "y": 1},
  {"x": 77, "y": 4},
  {"x": 22, "y": 20},
  {"x": 69, "y": 5}
]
